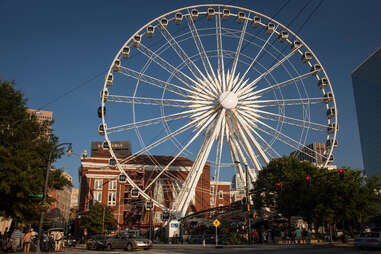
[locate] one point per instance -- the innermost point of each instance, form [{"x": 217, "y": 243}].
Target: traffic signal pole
[{"x": 247, "y": 205}]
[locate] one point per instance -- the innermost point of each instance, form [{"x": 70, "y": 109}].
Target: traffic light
[
  {"x": 341, "y": 174},
  {"x": 308, "y": 181},
  {"x": 278, "y": 186}
]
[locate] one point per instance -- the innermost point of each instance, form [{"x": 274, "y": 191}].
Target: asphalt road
[{"x": 259, "y": 249}]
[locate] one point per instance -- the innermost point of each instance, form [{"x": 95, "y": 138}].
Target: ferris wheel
[{"x": 216, "y": 84}]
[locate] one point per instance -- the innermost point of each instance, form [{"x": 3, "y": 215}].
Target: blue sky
[{"x": 58, "y": 52}]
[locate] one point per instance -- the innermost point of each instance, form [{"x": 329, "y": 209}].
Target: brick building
[
  {"x": 98, "y": 183},
  {"x": 222, "y": 189}
]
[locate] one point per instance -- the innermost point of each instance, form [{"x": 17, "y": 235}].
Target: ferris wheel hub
[{"x": 228, "y": 100}]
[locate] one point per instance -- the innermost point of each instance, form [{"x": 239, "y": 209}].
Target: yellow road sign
[{"x": 216, "y": 223}]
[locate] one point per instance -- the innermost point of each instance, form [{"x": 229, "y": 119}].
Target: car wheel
[
  {"x": 109, "y": 247},
  {"x": 129, "y": 247}
]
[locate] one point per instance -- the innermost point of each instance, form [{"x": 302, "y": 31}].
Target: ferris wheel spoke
[
  {"x": 182, "y": 202},
  {"x": 173, "y": 70},
  {"x": 249, "y": 120},
  {"x": 238, "y": 146},
  {"x": 277, "y": 85},
  {"x": 246, "y": 131},
  {"x": 241, "y": 134},
  {"x": 182, "y": 55},
  {"x": 197, "y": 112},
  {"x": 220, "y": 50},
  {"x": 180, "y": 152},
  {"x": 238, "y": 51},
  {"x": 286, "y": 102},
  {"x": 235, "y": 157},
  {"x": 150, "y": 101},
  {"x": 293, "y": 121},
  {"x": 288, "y": 140},
  {"x": 155, "y": 82},
  {"x": 258, "y": 54},
  {"x": 220, "y": 143},
  {"x": 240, "y": 90},
  {"x": 200, "y": 47}
]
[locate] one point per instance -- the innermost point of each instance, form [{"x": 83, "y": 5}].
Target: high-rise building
[
  {"x": 366, "y": 82},
  {"x": 42, "y": 115},
  {"x": 313, "y": 153}
]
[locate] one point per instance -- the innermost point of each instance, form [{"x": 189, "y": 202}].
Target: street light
[
  {"x": 68, "y": 152},
  {"x": 247, "y": 200}
]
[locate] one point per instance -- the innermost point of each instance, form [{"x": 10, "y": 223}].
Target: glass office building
[{"x": 366, "y": 81}]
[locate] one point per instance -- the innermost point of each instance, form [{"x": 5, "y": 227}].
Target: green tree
[
  {"x": 326, "y": 200},
  {"x": 97, "y": 218},
  {"x": 24, "y": 152}
]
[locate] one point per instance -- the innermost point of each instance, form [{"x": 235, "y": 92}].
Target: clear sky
[{"x": 58, "y": 52}]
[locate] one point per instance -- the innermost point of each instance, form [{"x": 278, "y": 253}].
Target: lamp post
[
  {"x": 46, "y": 188},
  {"x": 247, "y": 201}
]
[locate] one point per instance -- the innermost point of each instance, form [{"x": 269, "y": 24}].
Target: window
[
  {"x": 97, "y": 197},
  {"x": 212, "y": 189},
  {"x": 111, "y": 198},
  {"x": 220, "y": 194},
  {"x": 112, "y": 185},
  {"x": 98, "y": 184},
  {"x": 212, "y": 201}
]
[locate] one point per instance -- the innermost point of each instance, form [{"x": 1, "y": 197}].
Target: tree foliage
[
  {"x": 24, "y": 153},
  {"x": 327, "y": 199},
  {"x": 95, "y": 217}
]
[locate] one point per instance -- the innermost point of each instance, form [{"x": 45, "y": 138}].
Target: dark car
[
  {"x": 369, "y": 240},
  {"x": 97, "y": 242},
  {"x": 69, "y": 241},
  {"x": 128, "y": 241}
]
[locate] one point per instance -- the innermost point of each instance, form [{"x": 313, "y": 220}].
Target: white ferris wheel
[{"x": 219, "y": 84}]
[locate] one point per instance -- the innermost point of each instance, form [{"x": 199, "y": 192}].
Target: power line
[
  {"x": 309, "y": 17},
  {"x": 80, "y": 85}
]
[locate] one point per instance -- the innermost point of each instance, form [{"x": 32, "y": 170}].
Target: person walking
[
  {"x": 298, "y": 235},
  {"x": 16, "y": 239},
  {"x": 27, "y": 239}
]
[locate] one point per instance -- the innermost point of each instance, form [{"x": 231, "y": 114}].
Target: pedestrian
[
  {"x": 16, "y": 239},
  {"x": 27, "y": 239},
  {"x": 298, "y": 235},
  {"x": 309, "y": 236}
]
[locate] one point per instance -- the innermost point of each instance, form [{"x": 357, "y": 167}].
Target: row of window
[
  {"x": 98, "y": 184},
  {"x": 111, "y": 198}
]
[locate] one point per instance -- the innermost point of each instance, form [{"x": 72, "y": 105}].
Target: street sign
[
  {"x": 216, "y": 223},
  {"x": 40, "y": 195}
]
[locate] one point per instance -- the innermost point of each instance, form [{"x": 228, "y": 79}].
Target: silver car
[
  {"x": 369, "y": 240},
  {"x": 128, "y": 242}
]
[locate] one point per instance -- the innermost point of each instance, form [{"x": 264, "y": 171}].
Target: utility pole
[
  {"x": 248, "y": 204},
  {"x": 44, "y": 200}
]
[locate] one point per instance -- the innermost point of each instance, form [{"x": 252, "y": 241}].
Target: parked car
[
  {"x": 369, "y": 240},
  {"x": 97, "y": 242},
  {"x": 128, "y": 241},
  {"x": 69, "y": 241}
]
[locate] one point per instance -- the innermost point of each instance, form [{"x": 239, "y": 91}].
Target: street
[{"x": 259, "y": 249}]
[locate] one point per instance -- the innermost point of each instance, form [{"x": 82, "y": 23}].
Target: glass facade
[{"x": 366, "y": 81}]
